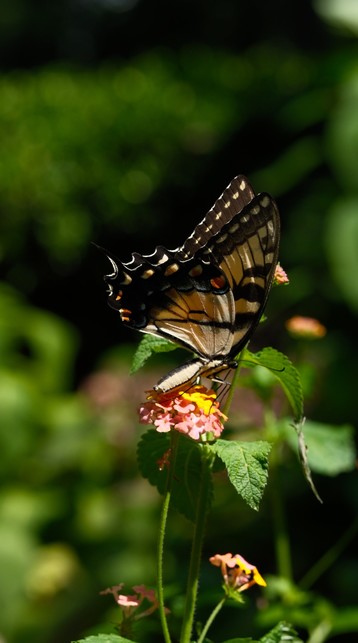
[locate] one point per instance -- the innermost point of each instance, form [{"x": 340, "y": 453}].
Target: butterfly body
[{"x": 209, "y": 294}]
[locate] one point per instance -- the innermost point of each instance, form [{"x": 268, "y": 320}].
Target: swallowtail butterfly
[{"x": 207, "y": 295}]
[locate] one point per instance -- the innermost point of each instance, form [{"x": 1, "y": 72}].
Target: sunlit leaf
[
  {"x": 281, "y": 632},
  {"x": 148, "y": 345},
  {"x": 284, "y": 371},
  {"x": 247, "y": 467}
]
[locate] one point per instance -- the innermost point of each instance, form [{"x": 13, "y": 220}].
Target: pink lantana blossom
[
  {"x": 237, "y": 573},
  {"x": 280, "y": 276},
  {"x": 307, "y": 327},
  {"x": 194, "y": 412},
  {"x": 130, "y": 603}
]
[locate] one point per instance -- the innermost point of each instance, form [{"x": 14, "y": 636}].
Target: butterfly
[{"x": 207, "y": 295}]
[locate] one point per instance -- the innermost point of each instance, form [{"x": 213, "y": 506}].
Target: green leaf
[
  {"x": 330, "y": 448},
  {"x": 281, "y": 367},
  {"x": 281, "y": 632},
  {"x": 247, "y": 467},
  {"x": 104, "y": 638},
  {"x": 154, "y": 449},
  {"x": 148, "y": 345}
]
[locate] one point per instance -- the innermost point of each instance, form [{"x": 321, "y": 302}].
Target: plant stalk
[{"x": 196, "y": 549}]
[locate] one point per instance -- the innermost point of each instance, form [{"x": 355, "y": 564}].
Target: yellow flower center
[{"x": 204, "y": 401}]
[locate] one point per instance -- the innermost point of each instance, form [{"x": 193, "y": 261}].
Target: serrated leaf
[
  {"x": 247, "y": 467},
  {"x": 104, "y": 638},
  {"x": 281, "y": 632},
  {"x": 281, "y": 367},
  {"x": 330, "y": 448},
  {"x": 153, "y": 448},
  {"x": 148, "y": 345}
]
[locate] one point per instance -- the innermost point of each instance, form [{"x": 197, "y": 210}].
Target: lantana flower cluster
[
  {"x": 306, "y": 327},
  {"x": 130, "y": 604},
  {"x": 194, "y": 412},
  {"x": 280, "y": 276},
  {"x": 237, "y": 573}
]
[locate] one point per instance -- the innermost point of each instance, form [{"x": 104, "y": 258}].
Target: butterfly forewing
[
  {"x": 234, "y": 198},
  {"x": 248, "y": 250}
]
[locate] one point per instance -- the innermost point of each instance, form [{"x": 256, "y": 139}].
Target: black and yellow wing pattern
[{"x": 209, "y": 294}]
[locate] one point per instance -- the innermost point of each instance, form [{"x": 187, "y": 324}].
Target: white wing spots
[
  {"x": 235, "y": 195},
  {"x": 196, "y": 240},
  {"x": 244, "y": 219},
  {"x": 222, "y": 238},
  {"x": 114, "y": 274},
  {"x": 126, "y": 279},
  {"x": 242, "y": 186},
  {"x": 255, "y": 210},
  {"x": 227, "y": 204},
  {"x": 171, "y": 269},
  {"x": 218, "y": 216},
  {"x": 147, "y": 273},
  {"x": 162, "y": 259},
  {"x": 265, "y": 202},
  {"x": 234, "y": 228}
]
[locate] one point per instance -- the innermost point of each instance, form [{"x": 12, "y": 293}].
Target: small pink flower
[
  {"x": 194, "y": 412},
  {"x": 130, "y": 603},
  {"x": 306, "y": 327},
  {"x": 163, "y": 422},
  {"x": 237, "y": 573},
  {"x": 280, "y": 276},
  {"x": 127, "y": 601}
]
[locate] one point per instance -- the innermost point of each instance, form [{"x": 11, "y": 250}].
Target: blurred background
[{"x": 121, "y": 122}]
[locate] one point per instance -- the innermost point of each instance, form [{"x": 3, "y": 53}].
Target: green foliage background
[{"x": 125, "y": 135}]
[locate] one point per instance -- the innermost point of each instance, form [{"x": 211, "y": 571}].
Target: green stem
[
  {"x": 162, "y": 528},
  {"x": 282, "y": 543},
  {"x": 211, "y": 619},
  {"x": 163, "y": 520},
  {"x": 231, "y": 392},
  {"x": 198, "y": 536}
]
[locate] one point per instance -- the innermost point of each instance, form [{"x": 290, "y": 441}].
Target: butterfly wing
[
  {"x": 208, "y": 294},
  {"x": 246, "y": 250}
]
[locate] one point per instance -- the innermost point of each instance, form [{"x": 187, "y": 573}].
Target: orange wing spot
[
  {"x": 125, "y": 314},
  {"x": 218, "y": 282},
  {"x": 119, "y": 295},
  {"x": 170, "y": 270}
]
